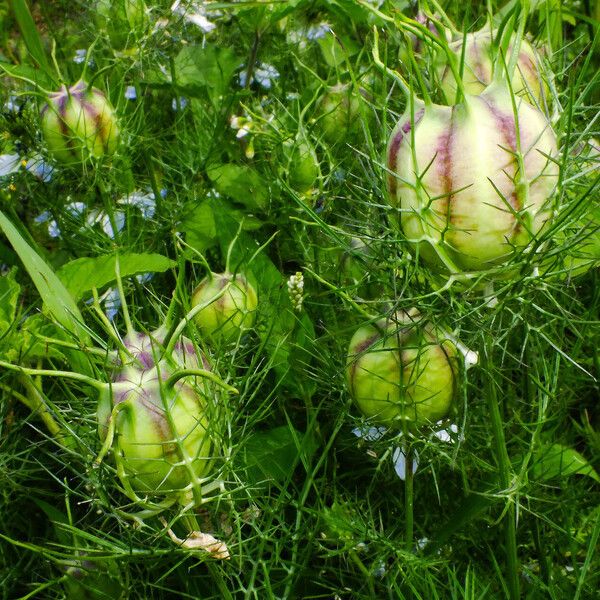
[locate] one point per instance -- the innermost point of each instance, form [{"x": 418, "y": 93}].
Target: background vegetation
[{"x": 225, "y": 148}]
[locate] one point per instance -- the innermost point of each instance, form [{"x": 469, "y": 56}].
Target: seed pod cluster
[{"x": 481, "y": 57}]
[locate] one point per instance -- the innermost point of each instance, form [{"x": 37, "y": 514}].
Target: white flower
[
  {"x": 399, "y": 459},
  {"x": 112, "y": 302},
  {"x": 144, "y": 278},
  {"x": 38, "y": 167},
  {"x": 264, "y": 74},
  {"x": 130, "y": 92},
  {"x": 145, "y": 202},
  {"x": 12, "y": 104},
  {"x": 9, "y": 163},
  {"x": 178, "y": 104},
  {"x": 242, "y": 124},
  {"x": 53, "y": 228},
  {"x": 318, "y": 31},
  {"x": 99, "y": 216},
  {"x": 80, "y": 56},
  {"x": 194, "y": 13},
  {"x": 370, "y": 434},
  {"x": 75, "y": 209}
]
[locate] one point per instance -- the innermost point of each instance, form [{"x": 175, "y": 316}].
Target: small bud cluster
[{"x": 296, "y": 290}]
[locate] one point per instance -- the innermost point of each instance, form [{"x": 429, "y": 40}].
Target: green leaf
[
  {"x": 9, "y": 295},
  {"x": 555, "y": 460},
  {"x": 83, "y": 274},
  {"x": 272, "y": 455},
  {"x": 199, "y": 226},
  {"x": 242, "y": 184},
  {"x": 55, "y": 296},
  {"x": 205, "y": 68}
]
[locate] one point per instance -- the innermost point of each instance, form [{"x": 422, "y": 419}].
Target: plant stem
[
  {"x": 52, "y": 373},
  {"x": 409, "y": 497},
  {"x": 173, "y": 379},
  {"x": 504, "y": 473}
]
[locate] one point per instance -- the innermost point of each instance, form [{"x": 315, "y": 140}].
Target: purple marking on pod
[
  {"x": 394, "y": 148},
  {"x": 156, "y": 414},
  {"x": 358, "y": 350},
  {"x": 444, "y": 158},
  {"x": 146, "y": 359},
  {"x": 507, "y": 127}
]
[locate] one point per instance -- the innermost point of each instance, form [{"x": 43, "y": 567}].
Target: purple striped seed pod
[
  {"x": 472, "y": 182},
  {"x": 162, "y": 436},
  {"x": 399, "y": 371},
  {"x": 79, "y": 123},
  {"x": 231, "y": 313},
  {"x": 529, "y": 79}
]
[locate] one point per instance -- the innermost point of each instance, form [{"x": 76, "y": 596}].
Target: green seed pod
[
  {"x": 303, "y": 165},
  {"x": 472, "y": 182},
  {"x": 163, "y": 441},
  {"x": 233, "y": 309},
  {"x": 340, "y": 113},
  {"x": 399, "y": 371},
  {"x": 79, "y": 123},
  {"x": 481, "y": 58}
]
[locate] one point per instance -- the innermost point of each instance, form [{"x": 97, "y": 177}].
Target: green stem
[
  {"x": 409, "y": 497},
  {"x": 504, "y": 473},
  {"x": 126, "y": 317},
  {"x": 365, "y": 572},
  {"x": 52, "y": 373},
  {"x": 173, "y": 379},
  {"x": 393, "y": 74},
  {"x": 38, "y": 406},
  {"x": 170, "y": 344}
]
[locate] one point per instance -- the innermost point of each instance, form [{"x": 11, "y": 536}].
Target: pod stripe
[
  {"x": 394, "y": 147},
  {"x": 444, "y": 156},
  {"x": 507, "y": 127}
]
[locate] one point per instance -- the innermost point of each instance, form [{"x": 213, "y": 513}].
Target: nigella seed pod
[
  {"x": 400, "y": 372},
  {"x": 161, "y": 427},
  {"x": 340, "y": 113},
  {"x": 481, "y": 58},
  {"x": 79, "y": 123},
  {"x": 228, "y": 304},
  {"x": 303, "y": 165},
  {"x": 472, "y": 182}
]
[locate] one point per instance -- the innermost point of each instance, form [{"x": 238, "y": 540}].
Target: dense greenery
[{"x": 252, "y": 140}]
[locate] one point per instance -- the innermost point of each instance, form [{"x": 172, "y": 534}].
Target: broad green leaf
[
  {"x": 9, "y": 295},
  {"x": 27, "y": 72},
  {"x": 83, "y": 274},
  {"x": 242, "y": 184},
  {"x": 55, "y": 296},
  {"x": 554, "y": 460},
  {"x": 199, "y": 226},
  {"x": 273, "y": 454},
  {"x": 207, "y": 67}
]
